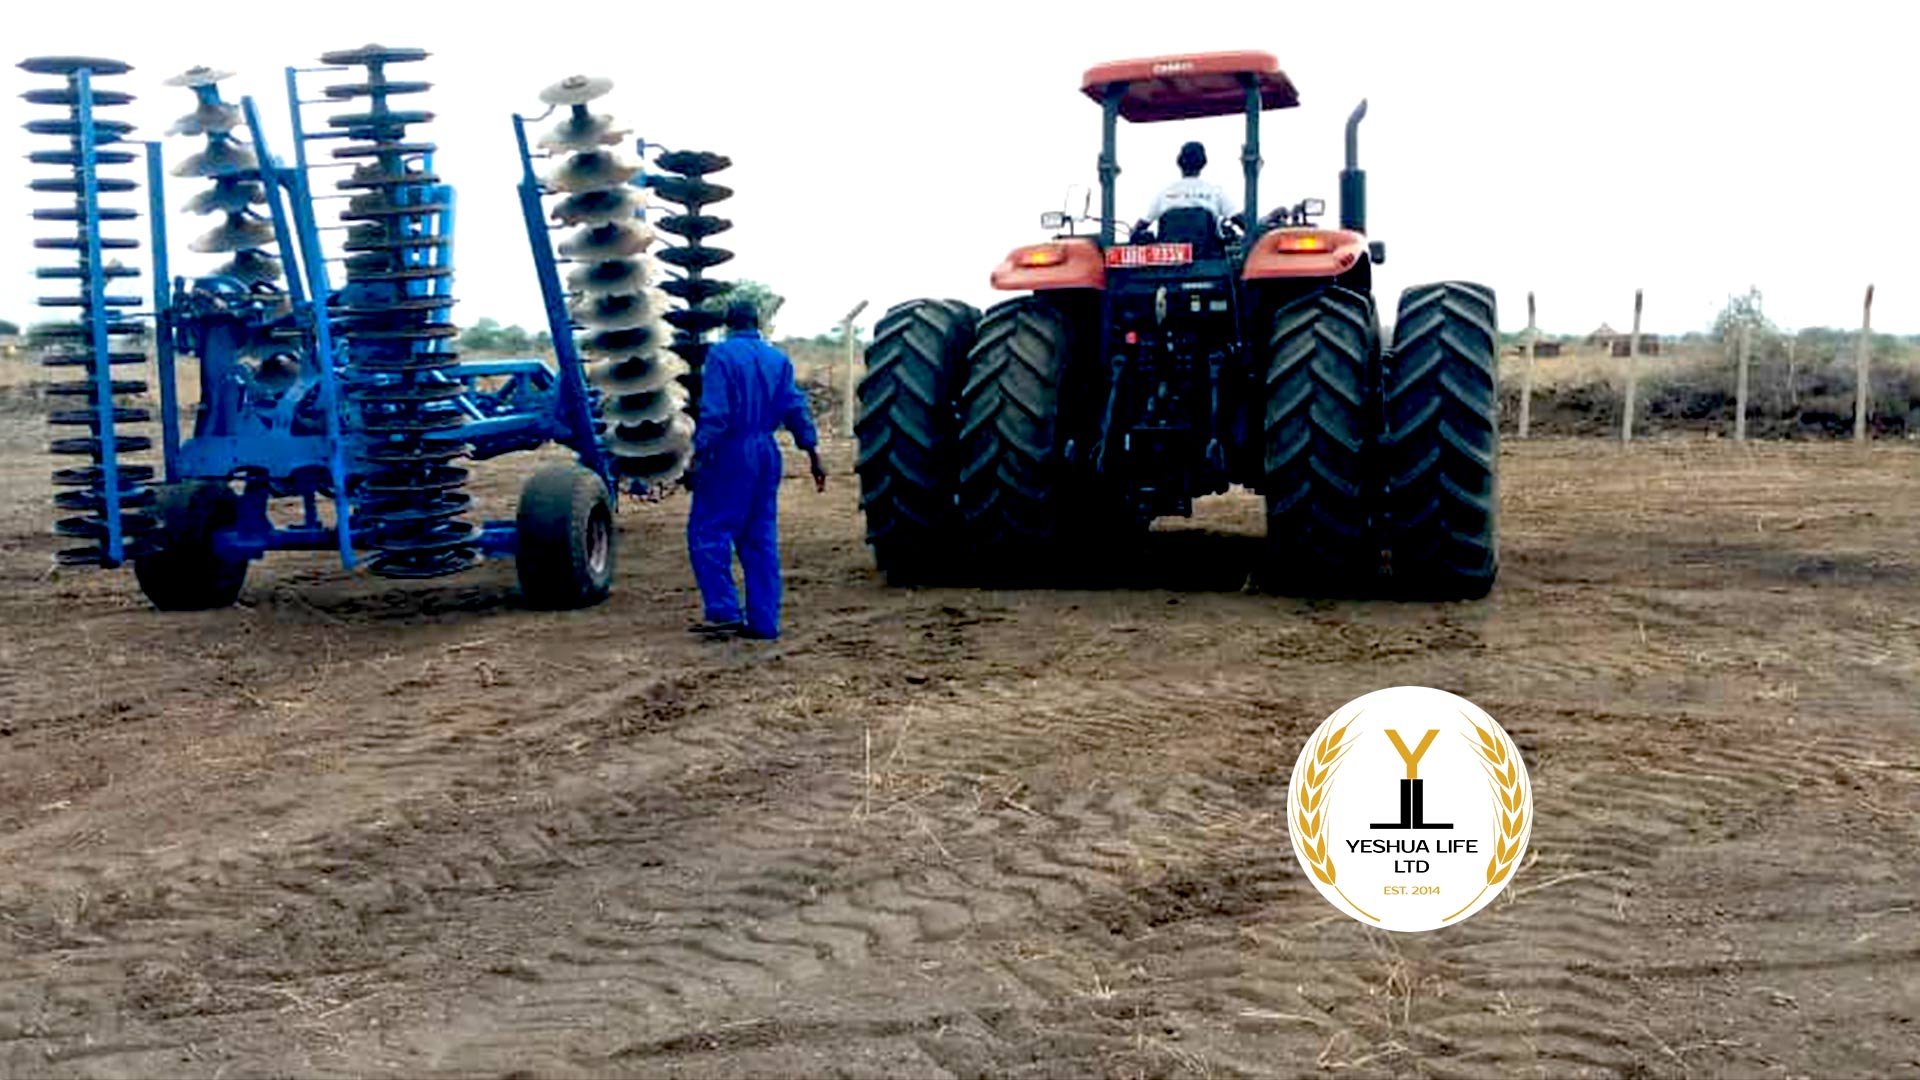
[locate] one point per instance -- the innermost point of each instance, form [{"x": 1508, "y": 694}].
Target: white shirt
[{"x": 1193, "y": 191}]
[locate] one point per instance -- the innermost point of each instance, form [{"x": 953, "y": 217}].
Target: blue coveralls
[{"x": 747, "y": 392}]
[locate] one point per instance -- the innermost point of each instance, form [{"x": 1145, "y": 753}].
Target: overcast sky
[{"x": 894, "y": 150}]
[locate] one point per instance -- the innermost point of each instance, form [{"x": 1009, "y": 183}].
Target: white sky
[{"x": 896, "y": 150}]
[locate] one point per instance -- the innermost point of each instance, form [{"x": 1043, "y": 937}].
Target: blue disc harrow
[{"x": 312, "y": 395}]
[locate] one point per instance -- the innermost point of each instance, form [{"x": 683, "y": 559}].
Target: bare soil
[{"x": 351, "y": 827}]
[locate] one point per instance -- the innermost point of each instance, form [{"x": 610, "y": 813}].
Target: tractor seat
[{"x": 1192, "y": 225}]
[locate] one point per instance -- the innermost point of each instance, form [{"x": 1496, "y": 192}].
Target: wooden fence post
[
  {"x": 1633, "y": 372},
  {"x": 1793, "y": 387},
  {"x": 1740, "y": 384},
  {"x": 1526, "y": 374},
  {"x": 1862, "y": 377}
]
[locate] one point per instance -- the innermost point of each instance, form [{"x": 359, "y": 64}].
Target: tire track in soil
[{"x": 593, "y": 877}]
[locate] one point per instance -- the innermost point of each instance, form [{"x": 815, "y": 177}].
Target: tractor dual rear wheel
[
  {"x": 565, "y": 535},
  {"x": 1440, "y": 443},
  {"x": 1316, "y": 431},
  {"x": 907, "y": 429},
  {"x": 1009, "y": 452}
]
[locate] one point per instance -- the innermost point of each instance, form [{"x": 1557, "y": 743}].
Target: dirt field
[{"x": 353, "y": 828}]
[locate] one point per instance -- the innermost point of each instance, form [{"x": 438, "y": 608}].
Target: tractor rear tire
[
  {"x": 565, "y": 535},
  {"x": 907, "y": 429},
  {"x": 184, "y": 571},
  {"x": 1316, "y": 432},
  {"x": 1440, "y": 445},
  {"x": 1009, "y": 452}
]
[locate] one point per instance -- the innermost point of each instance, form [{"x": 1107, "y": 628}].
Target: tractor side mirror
[
  {"x": 1377, "y": 251},
  {"x": 1054, "y": 219}
]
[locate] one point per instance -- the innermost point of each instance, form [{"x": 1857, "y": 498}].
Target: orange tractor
[{"x": 1135, "y": 374}]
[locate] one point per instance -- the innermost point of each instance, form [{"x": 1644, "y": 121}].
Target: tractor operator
[
  {"x": 1190, "y": 191},
  {"x": 747, "y": 392}
]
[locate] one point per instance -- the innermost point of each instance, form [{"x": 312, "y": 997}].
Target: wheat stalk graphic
[
  {"x": 1509, "y": 806},
  {"x": 1310, "y": 806}
]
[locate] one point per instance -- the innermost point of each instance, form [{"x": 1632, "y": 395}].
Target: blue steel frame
[
  {"x": 98, "y": 314},
  {"x": 240, "y": 437}
]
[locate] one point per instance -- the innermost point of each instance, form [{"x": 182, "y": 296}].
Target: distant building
[{"x": 1649, "y": 345}]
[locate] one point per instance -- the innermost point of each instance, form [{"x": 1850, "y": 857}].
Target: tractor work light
[
  {"x": 1304, "y": 242},
  {"x": 1041, "y": 255}
]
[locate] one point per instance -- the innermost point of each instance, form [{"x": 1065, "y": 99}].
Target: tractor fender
[
  {"x": 1072, "y": 262},
  {"x": 1304, "y": 253}
]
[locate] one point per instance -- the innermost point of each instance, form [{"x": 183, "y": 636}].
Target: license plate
[{"x": 1150, "y": 255}]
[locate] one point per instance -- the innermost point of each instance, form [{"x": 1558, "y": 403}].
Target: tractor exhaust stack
[{"x": 1353, "y": 179}]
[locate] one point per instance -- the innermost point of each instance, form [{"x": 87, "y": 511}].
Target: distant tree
[
  {"x": 488, "y": 336},
  {"x": 1745, "y": 310},
  {"x": 9, "y": 328},
  {"x": 764, "y": 298},
  {"x": 482, "y": 336}
]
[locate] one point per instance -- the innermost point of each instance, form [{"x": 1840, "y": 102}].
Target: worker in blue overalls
[{"x": 747, "y": 392}]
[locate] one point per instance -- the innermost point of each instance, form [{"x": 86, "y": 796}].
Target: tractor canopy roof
[{"x": 1191, "y": 85}]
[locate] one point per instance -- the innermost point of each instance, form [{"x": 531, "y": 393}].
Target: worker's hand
[{"x": 819, "y": 470}]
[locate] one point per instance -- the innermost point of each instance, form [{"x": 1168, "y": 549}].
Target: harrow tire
[
  {"x": 184, "y": 571},
  {"x": 906, "y": 428},
  {"x": 1440, "y": 445},
  {"x": 1009, "y": 445},
  {"x": 566, "y": 539},
  {"x": 1316, "y": 430}
]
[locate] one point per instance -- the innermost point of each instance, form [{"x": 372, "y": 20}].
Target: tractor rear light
[
  {"x": 1304, "y": 242},
  {"x": 1133, "y": 337},
  {"x": 1041, "y": 255}
]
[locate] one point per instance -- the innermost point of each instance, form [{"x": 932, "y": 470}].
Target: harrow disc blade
[
  {"x": 211, "y": 118},
  {"x": 695, "y": 290},
  {"x": 647, "y": 408},
  {"x": 372, "y": 56},
  {"x": 688, "y": 191},
  {"x": 641, "y": 373},
  {"x": 608, "y": 241},
  {"x": 694, "y": 226},
  {"x": 610, "y": 276},
  {"x": 653, "y": 436},
  {"x": 373, "y": 176},
  {"x": 237, "y": 233},
  {"x": 388, "y": 88},
  {"x": 221, "y": 158},
  {"x": 619, "y": 311},
  {"x": 67, "y": 65},
  {"x": 229, "y": 196},
  {"x": 694, "y": 320},
  {"x": 576, "y": 90},
  {"x": 251, "y": 267},
  {"x": 592, "y": 170},
  {"x": 694, "y": 258},
  {"x": 196, "y": 76},
  {"x": 624, "y": 342},
  {"x": 583, "y": 131},
  {"x": 693, "y": 162},
  {"x": 66, "y": 96},
  {"x": 596, "y": 207}
]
